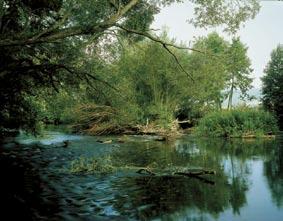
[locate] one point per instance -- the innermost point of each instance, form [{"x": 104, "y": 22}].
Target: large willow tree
[{"x": 43, "y": 42}]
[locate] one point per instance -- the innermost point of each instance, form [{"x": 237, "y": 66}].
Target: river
[{"x": 36, "y": 183}]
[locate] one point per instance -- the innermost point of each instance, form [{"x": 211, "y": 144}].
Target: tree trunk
[{"x": 230, "y": 100}]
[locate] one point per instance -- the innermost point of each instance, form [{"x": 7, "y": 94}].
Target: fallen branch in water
[
  {"x": 194, "y": 173},
  {"x": 188, "y": 173},
  {"x": 147, "y": 171}
]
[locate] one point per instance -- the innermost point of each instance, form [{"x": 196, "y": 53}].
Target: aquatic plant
[{"x": 92, "y": 165}]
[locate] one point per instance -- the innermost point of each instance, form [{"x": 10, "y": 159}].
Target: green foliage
[
  {"x": 155, "y": 90},
  {"x": 228, "y": 13},
  {"x": 48, "y": 44},
  {"x": 272, "y": 89},
  {"x": 237, "y": 123}
]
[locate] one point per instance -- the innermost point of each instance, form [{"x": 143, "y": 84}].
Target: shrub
[{"x": 237, "y": 123}]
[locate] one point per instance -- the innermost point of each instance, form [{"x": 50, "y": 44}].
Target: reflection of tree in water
[
  {"x": 237, "y": 154},
  {"x": 156, "y": 196},
  {"x": 273, "y": 170}
]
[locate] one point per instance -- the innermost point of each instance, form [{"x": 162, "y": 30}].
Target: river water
[{"x": 36, "y": 183}]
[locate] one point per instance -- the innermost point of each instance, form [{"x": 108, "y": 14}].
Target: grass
[{"x": 246, "y": 122}]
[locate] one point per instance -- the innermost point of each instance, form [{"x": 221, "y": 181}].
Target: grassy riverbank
[{"x": 245, "y": 123}]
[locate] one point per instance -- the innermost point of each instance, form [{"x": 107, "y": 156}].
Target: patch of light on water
[{"x": 47, "y": 138}]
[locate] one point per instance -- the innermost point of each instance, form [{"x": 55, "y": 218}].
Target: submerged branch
[
  {"x": 196, "y": 174},
  {"x": 188, "y": 172}
]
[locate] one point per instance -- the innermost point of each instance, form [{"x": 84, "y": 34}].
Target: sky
[{"x": 261, "y": 35}]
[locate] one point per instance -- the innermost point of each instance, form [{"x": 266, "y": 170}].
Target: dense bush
[{"x": 237, "y": 123}]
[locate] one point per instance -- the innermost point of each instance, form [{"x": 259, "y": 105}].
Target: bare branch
[
  {"x": 102, "y": 81},
  {"x": 156, "y": 39},
  {"x": 178, "y": 62},
  {"x": 79, "y": 73},
  {"x": 52, "y": 82}
]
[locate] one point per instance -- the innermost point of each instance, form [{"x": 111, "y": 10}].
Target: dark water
[{"x": 36, "y": 185}]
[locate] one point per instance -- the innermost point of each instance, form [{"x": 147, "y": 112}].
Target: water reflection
[
  {"x": 161, "y": 196},
  {"x": 273, "y": 170},
  {"x": 248, "y": 184}
]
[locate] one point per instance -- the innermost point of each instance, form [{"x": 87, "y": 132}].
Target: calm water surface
[{"x": 36, "y": 184}]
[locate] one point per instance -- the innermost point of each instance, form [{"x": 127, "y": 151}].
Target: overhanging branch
[
  {"x": 178, "y": 62},
  {"x": 71, "y": 31},
  {"x": 156, "y": 39}
]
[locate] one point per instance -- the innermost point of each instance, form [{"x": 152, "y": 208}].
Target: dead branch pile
[{"x": 99, "y": 120}]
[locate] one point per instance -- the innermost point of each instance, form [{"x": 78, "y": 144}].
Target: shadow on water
[
  {"x": 21, "y": 187},
  {"x": 35, "y": 181}
]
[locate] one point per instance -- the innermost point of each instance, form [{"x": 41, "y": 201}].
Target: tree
[
  {"x": 209, "y": 70},
  {"x": 43, "y": 42},
  {"x": 272, "y": 89},
  {"x": 239, "y": 69}
]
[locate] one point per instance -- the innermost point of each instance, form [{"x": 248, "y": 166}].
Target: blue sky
[{"x": 261, "y": 35}]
